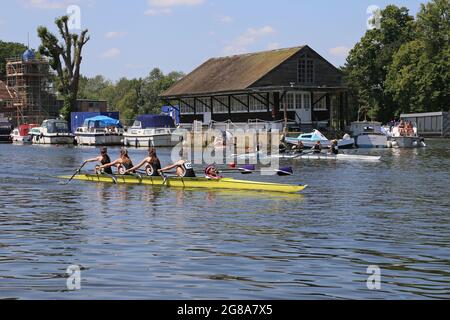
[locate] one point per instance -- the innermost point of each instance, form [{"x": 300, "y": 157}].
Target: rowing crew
[
  {"x": 183, "y": 168},
  {"x": 299, "y": 148}
]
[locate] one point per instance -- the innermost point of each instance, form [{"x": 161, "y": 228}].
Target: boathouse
[{"x": 294, "y": 84}]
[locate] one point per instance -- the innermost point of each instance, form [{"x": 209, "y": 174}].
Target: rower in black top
[
  {"x": 103, "y": 158},
  {"x": 317, "y": 147},
  {"x": 152, "y": 162},
  {"x": 184, "y": 169},
  {"x": 123, "y": 163},
  {"x": 334, "y": 148}
]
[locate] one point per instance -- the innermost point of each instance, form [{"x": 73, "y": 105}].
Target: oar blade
[{"x": 288, "y": 171}]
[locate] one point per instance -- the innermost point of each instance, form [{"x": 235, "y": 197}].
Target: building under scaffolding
[{"x": 28, "y": 78}]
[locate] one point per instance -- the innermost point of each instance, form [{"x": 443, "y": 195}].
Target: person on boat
[
  {"x": 402, "y": 128},
  {"x": 103, "y": 158},
  {"x": 212, "y": 173},
  {"x": 152, "y": 164},
  {"x": 409, "y": 129},
  {"x": 334, "y": 148},
  {"x": 122, "y": 164},
  {"x": 299, "y": 147},
  {"x": 183, "y": 169},
  {"x": 317, "y": 148}
]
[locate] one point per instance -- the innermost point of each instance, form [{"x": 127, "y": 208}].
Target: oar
[
  {"x": 249, "y": 169},
  {"x": 113, "y": 178},
  {"x": 76, "y": 172},
  {"x": 163, "y": 176}
]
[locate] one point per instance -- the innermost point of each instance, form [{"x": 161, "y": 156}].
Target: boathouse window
[{"x": 306, "y": 70}]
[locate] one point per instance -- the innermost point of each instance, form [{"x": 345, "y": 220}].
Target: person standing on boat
[
  {"x": 123, "y": 164},
  {"x": 334, "y": 148},
  {"x": 184, "y": 169},
  {"x": 103, "y": 158},
  {"x": 152, "y": 164},
  {"x": 317, "y": 147}
]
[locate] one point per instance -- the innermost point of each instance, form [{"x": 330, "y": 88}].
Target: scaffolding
[{"x": 29, "y": 82}]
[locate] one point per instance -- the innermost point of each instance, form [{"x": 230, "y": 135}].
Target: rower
[
  {"x": 184, "y": 169},
  {"x": 212, "y": 173},
  {"x": 103, "y": 158},
  {"x": 123, "y": 163},
  {"x": 152, "y": 164},
  {"x": 317, "y": 147},
  {"x": 298, "y": 148},
  {"x": 334, "y": 148}
]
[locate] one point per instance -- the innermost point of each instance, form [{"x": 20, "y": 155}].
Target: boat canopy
[
  {"x": 153, "y": 121},
  {"x": 101, "y": 122}
]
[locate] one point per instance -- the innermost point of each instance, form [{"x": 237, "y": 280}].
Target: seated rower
[
  {"x": 123, "y": 163},
  {"x": 152, "y": 164},
  {"x": 317, "y": 147},
  {"x": 184, "y": 169},
  {"x": 334, "y": 148},
  {"x": 212, "y": 173},
  {"x": 299, "y": 147},
  {"x": 103, "y": 158}
]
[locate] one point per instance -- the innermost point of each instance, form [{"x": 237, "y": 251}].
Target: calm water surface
[{"x": 137, "y": 242}]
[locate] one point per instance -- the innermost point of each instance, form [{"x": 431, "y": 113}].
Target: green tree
[
  {"x": 65, "y": 59},
  {"x": 9, "y": 50},
  {"x": 369, "y": 61},
  {"x": 419, "y": 78}
]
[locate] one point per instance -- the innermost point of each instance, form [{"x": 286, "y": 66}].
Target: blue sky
[{"x": 129, "y": 38}]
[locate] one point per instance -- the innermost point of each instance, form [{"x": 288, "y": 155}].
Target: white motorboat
[
  {"x": 100, "y": 131},
  {"x": 369, "y": 135},
  {"x": 310, "y": 139},
  {"x": 53, "y": 131},
  {"x": 404, "y": 135},
  {"x": 152, "y": 131}
]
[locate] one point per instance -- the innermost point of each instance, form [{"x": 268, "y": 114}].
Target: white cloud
[
  {"x": 249, "y": 37},
  {"x": 164, "y": 7},
  {"x": 115, "y": 34},
  {"x": 226, "y": 19},
  {"x": 273, "y": 46},
  {"x": 48, "y": 4},
  {"x": 111, "y": 53},
  {"x": 340, "y": 51},
  {"x": 174, "y": 3}
]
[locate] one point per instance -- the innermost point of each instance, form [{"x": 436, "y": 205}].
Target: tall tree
[
  {"x": 419, "y": 78},
  {"x": 9, "y": 50},
  {"x": 369, "y": 61},
  {"x": 65, "y": 59}
]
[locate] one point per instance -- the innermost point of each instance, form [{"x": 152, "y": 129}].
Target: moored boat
[
  {"x": 152, "y": 131},
  {"x": 100, "y": 131},
  {"x": 22, "y": 133},
  {"x": 202, "y": 183},
  {"x": 5, "y": 131},
  {"x": 310, "y": 139},
  {"x": 53, "y": 131},
  {"x": 404, "y": 135},
  {"x": 369, "y": 135}
]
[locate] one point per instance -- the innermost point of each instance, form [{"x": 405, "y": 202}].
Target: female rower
[
  {"x": 184, "y": 169},
  {"x": 212, "y": 173},
  {"x": 103, "y": 158},
  {"x": 123, "y": 163},
  {"x": 152, "y": 162},
  {"x": 317, "y": 147},
  {"x": 334, "y": 148}
]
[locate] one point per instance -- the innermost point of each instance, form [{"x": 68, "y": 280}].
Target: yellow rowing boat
[{"x": 225, "y": 183}]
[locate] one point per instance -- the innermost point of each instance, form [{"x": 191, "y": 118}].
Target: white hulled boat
[
  {"x": 404, "y": 135},
  {"x": 369, "y": 134},
  {"x": 100, "y": 131},
  {"x": 53, "y": 131},
  {"x": 152, "y": 131},
  {"x": 22, "y": 133},
  {"x": 310, "y": 139}
]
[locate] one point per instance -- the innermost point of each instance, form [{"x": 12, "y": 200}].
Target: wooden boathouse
[{"x": 293, "y": 84}]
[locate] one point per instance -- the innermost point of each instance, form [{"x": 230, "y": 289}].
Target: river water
[{"x": 138, "y": 242}]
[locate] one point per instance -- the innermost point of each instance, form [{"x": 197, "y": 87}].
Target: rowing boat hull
[
  {"x": 226, "y": 183},
  {"x": 312, "y": 156}
]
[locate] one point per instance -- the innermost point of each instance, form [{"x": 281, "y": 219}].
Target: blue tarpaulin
[
  {"x": 78, "y": 118},
  {"x": 155, "y": 121},
  {"x": 101, "y": 122}
]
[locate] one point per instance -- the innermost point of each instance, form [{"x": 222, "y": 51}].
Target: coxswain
[
  {"x": 212, "y": 173},
  {"x": 103, "y": 158},
  {"x": 122, "y": 164},
  {"x": 151, "y": 163},
  {"x": 317, "y": 147},
  {"x": 184, "y": 169}
]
